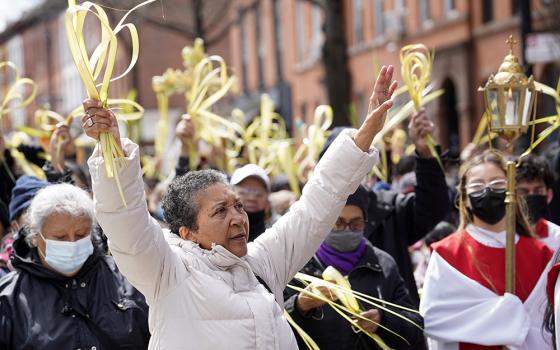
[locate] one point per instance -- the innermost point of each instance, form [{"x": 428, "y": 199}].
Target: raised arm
[
  {"x": 60, "y": 146},
  {"x": 185, "y": 133},
  {"x": 279, "y": 253},
  {"x": 135, "y": 239},
  {"x": 430, "y": 202}
]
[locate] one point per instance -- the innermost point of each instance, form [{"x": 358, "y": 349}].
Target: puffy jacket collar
[
  {"x": 26, "y": 259},
  {"x": 237, "y": 271}
]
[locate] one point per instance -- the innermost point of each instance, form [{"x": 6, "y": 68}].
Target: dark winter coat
[
  {"x": 397, "y": 221},
  {"x": 376, "y": 274},
  {"x": 96, "y": 309}
]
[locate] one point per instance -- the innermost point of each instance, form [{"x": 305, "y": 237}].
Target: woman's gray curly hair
[
  {"x": 57, "y": 199},
  {"x": 181, "y": 203}
]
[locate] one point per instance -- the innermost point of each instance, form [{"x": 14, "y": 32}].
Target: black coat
[
  {"x": 7, "y": 176},
  {"x": 376, "y": 274},
  {"x": 96, "y": 309},
  {"x": 396, "y": 221},
  {"x": 553, "y": 157}
]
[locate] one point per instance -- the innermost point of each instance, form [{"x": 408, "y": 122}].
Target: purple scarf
[{"x": 342, "y": 261}]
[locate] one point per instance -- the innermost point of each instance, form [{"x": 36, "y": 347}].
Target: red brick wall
[{"x": 477, "y": 50}]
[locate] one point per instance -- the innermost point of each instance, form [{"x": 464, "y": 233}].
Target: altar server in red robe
[{"x": 463, "y": 303}]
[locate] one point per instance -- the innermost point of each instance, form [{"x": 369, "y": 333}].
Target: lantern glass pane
[
  {"x": 492, "y": 103},
  {"x": 511, "y": 98},
  {"x": 526, "y": 106}
]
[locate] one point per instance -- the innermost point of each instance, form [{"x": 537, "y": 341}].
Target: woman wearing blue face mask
[
  {"x": 64, "y": 293},
  {"x": 370, "y": 271}
]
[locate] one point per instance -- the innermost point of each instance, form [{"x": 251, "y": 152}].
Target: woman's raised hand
[
  {"x": 60, "y": 145},
  {"x": 185, "y": 132},
  {"x": 379, "y": 103},
  {"x": 98, "y": 119}
]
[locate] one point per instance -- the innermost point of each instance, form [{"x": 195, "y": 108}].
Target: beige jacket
[{"x": 202, "y": 299}]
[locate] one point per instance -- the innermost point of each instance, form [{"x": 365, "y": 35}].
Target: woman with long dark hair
[{"x": 464, "y": 303}]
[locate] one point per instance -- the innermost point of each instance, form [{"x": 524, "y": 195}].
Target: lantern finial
[
  {"x": 509, "y": 97},
  {"x": 511, "y": 41},
  {"x": 510, "y": 67}
]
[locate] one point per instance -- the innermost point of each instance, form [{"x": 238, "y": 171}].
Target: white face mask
[{"x": 67, "y": 257}]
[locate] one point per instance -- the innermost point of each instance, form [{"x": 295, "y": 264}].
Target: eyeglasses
[
  {"x": 353, "y": 225},
  {"x": 250, "y": 192},
  {"x": 479, "y": 188}
]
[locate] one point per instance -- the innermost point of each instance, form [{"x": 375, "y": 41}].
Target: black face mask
[
  {"x": 537, "y": 206},
  {"x": 256, "y": 224},
  {"x": 489, "y": 207}
]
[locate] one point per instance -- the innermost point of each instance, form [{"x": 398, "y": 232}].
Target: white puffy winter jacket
[{"x": 201, "y": 299}]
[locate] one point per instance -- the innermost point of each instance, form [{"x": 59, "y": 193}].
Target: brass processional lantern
[{"x": 509, "y": 97}]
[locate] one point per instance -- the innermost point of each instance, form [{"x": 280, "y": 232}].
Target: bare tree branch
[
  {"x": 174, "y": 27},
  {"x": 218, "y": 17},
  {"x": 218, "y": 36},
  {"x": 319, "y": 3},
  {"x": 188, "y": 18},
  {"x": 198, "y": 18}
]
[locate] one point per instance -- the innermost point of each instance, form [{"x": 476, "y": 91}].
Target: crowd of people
[{"x": 208, "y": 260}]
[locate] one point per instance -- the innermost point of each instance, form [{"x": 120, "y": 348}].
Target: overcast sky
[{"x": 11, "y": 10}]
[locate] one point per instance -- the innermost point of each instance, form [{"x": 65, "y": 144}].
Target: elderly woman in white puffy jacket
[{"x": 200, "y": 277}]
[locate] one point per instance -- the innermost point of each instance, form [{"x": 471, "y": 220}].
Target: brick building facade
[
  {"x": 37, "y": 44},
  {"x": 274, "y": 46},
  {"x": 468, "y": 37}
]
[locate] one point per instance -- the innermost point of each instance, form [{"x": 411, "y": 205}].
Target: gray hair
[
  {"x": 181, "y": 203},
  {"x": 57, "y": 199}
]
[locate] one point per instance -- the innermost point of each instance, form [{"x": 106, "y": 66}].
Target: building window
[
  {"x": 358, "y": 108},
  {"x": 72, "y": 89},
  {"x": 300, "y": 31},
  {"x": 399, "y": 19},
  {"x": 278, "y": 38},
  {"x": 487, "y": 11},
  {"x": 449, "y": 6},
  {"x": 316, "y": 32},
  {"x": 260, "y": 45},
  {"x": 15, "y": 55},
  {"x": 358, "y": 10},
  {"x": 515, "y": 7},
  {"x": 303, "y": 111},
  {"x": 400, "y": 5},
  {"x": 424, "y": 11},
  {"x": 244, "y": 51},
  {"x": 379, "y": 17}
]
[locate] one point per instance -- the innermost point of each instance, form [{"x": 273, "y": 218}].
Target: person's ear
[
  {"x": 187, "y": 234},
  {"x": 268, "y": 206},
  {"x": 35, "y": 240},
  {"x": 14, "y": 226},
  {"x": 549, "y": 195}
]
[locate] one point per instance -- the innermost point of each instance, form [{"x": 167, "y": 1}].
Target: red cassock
[
  {"x": 553, "y": 294},
  {"x": 549, "y": 233},
  {"x": 463, "y": 301}
]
